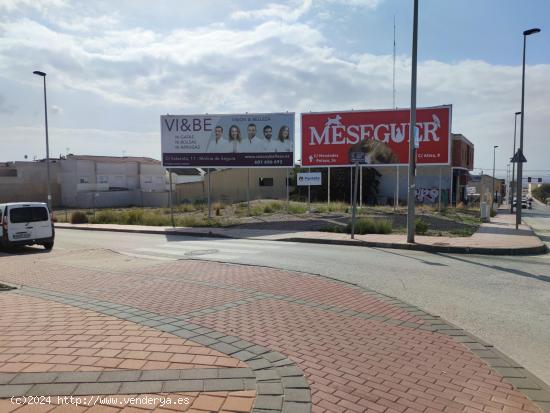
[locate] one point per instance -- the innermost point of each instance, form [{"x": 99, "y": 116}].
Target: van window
[{"x": 28, "y": 214}]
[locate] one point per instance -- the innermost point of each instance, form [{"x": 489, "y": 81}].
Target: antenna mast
[{"x": 395, "y": 107}]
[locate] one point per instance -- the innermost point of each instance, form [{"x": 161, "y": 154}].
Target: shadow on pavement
[
  {"x": 438, "y": 264},
  {"x": 504, "y": 231},
  {"x": 544, "y": 278},
  {"x": 6, "y": 252}
]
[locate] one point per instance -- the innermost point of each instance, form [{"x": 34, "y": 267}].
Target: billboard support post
[
  {"x": 170, "y": 199},
  {"x": 361, "y": 187},
  {"x": 354, "y": 207},
  {"x": 439, "y": 207},
  {"x": 412, "y": 133},
  {"x": 351, "y": 185},
  {"x": 309, "y": 195},
  {"x": 287, "y": 191},
  {"x": 328, "y": 192},
  {"x": 396, "y": 200},
  {"x": 209, "y": 198},
  {"x": 248, "y": 190}
]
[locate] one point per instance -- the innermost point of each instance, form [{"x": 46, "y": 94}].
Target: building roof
[
  {"x": 461, "y": 137},
  {"x": 116, "y": 159}
]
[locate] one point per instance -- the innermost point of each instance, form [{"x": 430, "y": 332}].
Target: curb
[
  {"x": 541, "y": 249},
  {"x": 148, "y": 231},
  {"x": 538, "y": 250}
]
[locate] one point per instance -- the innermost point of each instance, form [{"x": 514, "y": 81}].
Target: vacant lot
[{"x": 269, "y": 214}]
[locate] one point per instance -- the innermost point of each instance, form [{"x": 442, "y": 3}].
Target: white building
[{"x": 109, "y": 181}]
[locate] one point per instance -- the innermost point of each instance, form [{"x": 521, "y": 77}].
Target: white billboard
[{"x": 237, "y": 140}]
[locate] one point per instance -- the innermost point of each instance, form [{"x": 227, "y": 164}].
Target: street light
[
  {"x": 493, "y": 195},
  {"x": 43, "y": 75},
  {"x": 520, "y": 157},
  {"x": 412, "y": 129},
  {"x": 513, "y": 167}
]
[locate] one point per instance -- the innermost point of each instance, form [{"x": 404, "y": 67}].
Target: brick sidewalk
[{"x": 237, "y": 338}]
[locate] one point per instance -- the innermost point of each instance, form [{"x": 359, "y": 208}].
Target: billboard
[
  {"x": 382, "y": 136},
  {"x": 238, "y": 140},
  {"x": 308, "y": 178}
]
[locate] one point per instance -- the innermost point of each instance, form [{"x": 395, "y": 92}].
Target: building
[
  {"x": 83, "y": 181},
  {"x": 26, "y": 181},
  {"x": 233, "y": 185},
  {"x": 432, "y": 182},
  {"x": 110, "y": 181},
  {"x": 480, "y": 188}
]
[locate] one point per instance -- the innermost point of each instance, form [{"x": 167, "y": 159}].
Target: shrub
[
  {"x": 297, "y": 208},
  {"x": 79, "y": 217},
  {"x": 333, "y": 228},
  {"x": 107, "y": 216},
  {"x": 371, "y": 226},
  {"x": 421, "y": 227}
]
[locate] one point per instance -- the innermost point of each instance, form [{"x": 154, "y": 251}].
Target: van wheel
[{"x": 48, "y": 245}]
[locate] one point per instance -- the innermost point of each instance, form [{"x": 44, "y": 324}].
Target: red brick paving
[
  {"x": 234, "y": 402},
  {"x": 353, "y": 365},
  {"x": 347, "y": 359},
  {"x": 39, "y": 335}
]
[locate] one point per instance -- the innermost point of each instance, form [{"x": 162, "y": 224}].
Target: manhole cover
[{"x": 201, "y": 252}]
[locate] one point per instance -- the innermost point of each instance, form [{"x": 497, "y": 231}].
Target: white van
[{"x": 26, "y": 223}]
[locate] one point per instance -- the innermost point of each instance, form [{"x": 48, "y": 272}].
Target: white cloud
[
  {"x": 280, "y": 63},
  {"x": 40, "y": 5},
  {"x": 56, "y": 110},
  {"x": 286, "y": 12}
]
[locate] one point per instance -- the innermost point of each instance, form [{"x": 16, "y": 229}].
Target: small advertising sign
[{"x": 309, "y": 178}]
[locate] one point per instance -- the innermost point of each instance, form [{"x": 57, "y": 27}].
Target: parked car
[{"x": 26, "y": 223}]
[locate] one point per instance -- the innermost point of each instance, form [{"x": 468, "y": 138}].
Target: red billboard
[{"x": 382, "y": 136}]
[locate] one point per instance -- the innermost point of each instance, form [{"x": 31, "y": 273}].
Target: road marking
[
  {"x": 153, "y": 257},
  {"x": 229, "y": 247},
  {"x": 213, "y": 255},
  {"x": 219, "y": 244}
]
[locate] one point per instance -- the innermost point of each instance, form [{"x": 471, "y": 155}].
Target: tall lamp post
[
  {"x": 412, "y": 134},
  {"x": 520, "y": 158},
  {"x": 513, "y": 166},
  {"x": 493, "y": 193},
  {"x": 43, "y": 75}
]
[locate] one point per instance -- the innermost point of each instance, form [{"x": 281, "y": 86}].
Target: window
[
  {"x": 102, "y": 179},
  {"x": 147, "y": 179},
  {"x": 266, "y": 181},
  {"x": 28, "y": 214},
  {"x": 84, "y": 180},
  {"x": 8, "y": 172}
]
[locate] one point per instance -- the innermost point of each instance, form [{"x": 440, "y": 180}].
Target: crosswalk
[{"x": 214, "y": 249}]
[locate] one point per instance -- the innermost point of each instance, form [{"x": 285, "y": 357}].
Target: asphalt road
[{"x": 503, "y": 300}]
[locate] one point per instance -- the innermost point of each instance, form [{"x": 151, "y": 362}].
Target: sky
[{"x": 114, "y": 67}]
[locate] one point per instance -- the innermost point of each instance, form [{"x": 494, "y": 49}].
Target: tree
[
  {"x": 339, "y": 185},
  {"x": 542, "y": 193}
]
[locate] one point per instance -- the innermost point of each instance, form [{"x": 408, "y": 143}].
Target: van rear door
[{"x": 28, "y": 222}]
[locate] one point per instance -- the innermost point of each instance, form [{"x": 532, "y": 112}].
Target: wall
[
  {"x": 230, "y": 185},
  {"x": 30, "y": 183},
  {"x": 427, "y": 183},
  {"x": 462, "y": 154}
]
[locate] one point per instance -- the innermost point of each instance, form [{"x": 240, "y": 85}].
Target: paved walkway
[
  {"x": 107, "y": 329},
  {"x": 497, "y": 237}
]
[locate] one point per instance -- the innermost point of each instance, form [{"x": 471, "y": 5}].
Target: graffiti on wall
[{"x": 426, "y": 195}]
